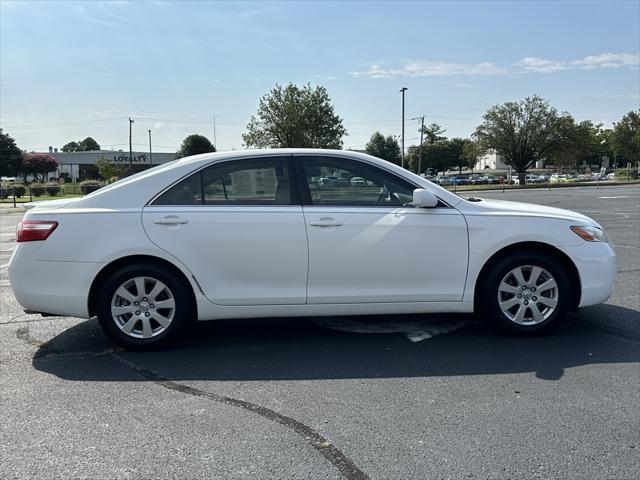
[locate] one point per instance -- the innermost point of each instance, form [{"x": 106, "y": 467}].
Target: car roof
[{"x": 135, "y": 191}]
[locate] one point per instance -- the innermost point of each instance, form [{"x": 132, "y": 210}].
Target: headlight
[{"x": 590, "y": 233}]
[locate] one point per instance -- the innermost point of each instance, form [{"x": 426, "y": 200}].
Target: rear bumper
[
  {"x": 59, "y": 288},
  {"x": 597, "y": 265}
]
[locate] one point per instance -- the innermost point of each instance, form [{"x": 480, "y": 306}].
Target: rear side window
[
  {"x": 260, "y": 181},
  {"x": 187, "y": 192}
]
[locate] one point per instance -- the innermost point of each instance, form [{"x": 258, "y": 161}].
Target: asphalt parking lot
[{"x": 376, "y": 397}]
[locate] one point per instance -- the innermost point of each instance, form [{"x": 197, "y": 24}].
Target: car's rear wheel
[
  {"x": 527, "y": 293},
  {"x": 143, "y": 306}
]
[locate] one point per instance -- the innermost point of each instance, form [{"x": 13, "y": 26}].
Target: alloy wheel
[
  {"x": 528, "y": 295},
  {"x": 143, "y": 307}
]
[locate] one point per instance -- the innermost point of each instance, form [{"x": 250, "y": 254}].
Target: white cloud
[
  {"x": 248, "y": 13},
  {"x": 423, "y": 68},
  {"x": 427, "y": 68},
  {"x": 540, "y": 65},
  {"x": 609, "y": 60},
  {"x": 602, "y": 60}
]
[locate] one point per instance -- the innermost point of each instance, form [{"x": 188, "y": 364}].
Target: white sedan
[{"x": 249, "y": 234}]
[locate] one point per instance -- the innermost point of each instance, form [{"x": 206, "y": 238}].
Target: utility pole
[
  {"x": 130, "y": 147},
  {"x": 215, "y": 143},
  {"x": 402, "y": 90},
  {"x": 150, "y": 154},
  {"x": 421, "y": 138}
]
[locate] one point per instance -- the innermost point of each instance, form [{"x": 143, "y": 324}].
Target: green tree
[
  {"x": 580, "y": 143},
  {"x": 70, "y": 147},
  {"x": 295, "y": 117},
  {"x": 383, "y": 147},
  {"x": 433, "y": 133},
  {"x": 86, "y": 145},
  {"x": 10, "y": 156},
  {"x": 471, "y": 152},
  {"x": 108, "y": 170},
  {"x": 522, "y": 132},
  {"x": 626, "y": 137},
  {"x": 436, "y": 156},
  {"x": 194, "y": 145}
]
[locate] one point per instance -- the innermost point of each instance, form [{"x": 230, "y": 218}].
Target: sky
[{"x": 69, "y": 70}]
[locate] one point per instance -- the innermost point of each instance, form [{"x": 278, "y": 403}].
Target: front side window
[
  {"x": 260, "y": 181},
  {"x": 336, "y": 181}
]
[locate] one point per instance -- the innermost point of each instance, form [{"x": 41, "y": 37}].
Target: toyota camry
[{"x": 272, "y": 233}]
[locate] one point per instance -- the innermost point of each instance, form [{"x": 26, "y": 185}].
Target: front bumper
[{"x": 597, "y": 265}]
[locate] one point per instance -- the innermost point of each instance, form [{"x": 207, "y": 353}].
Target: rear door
[
  {"x": 238, "y": 226},
  {"x": 366, "y": 246}
]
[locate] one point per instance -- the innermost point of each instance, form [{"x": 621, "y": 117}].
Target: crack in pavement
[
  {"x": 313, "y": 438},
  {"x": 14, "y": 320},
  {"x": 334, "y": 455}
]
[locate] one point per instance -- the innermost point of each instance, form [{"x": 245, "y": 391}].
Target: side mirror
[{"x": 424, "y": 198}]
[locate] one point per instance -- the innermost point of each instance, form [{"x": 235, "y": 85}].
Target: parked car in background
[
  {"x": 477, "y": 179},
  {"x": 329, "y": 181},
  {"x": 459, "y": 180},
  {"x": 531, "y": 178},
  {"x": 249, "y": 234},
  {"x": 491, "y": 179},
  {"x": 358, "y": 182},
  {"x": 558, "y": 178}
]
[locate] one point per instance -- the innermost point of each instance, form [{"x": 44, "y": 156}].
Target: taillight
[{"x": 34, "y": 230}]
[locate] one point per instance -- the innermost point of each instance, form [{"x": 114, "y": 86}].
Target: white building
[
  {"x": 493, "y": 161},
  {"x": 82, "y": 165}
]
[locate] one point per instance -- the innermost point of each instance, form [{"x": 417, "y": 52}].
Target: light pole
[
  {"x": 150, "y": 154},
  {"x": 130, "y": 147},
  {"x": 402, "y": 90}
]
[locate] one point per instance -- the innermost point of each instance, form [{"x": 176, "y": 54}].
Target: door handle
[
  {"x": 325, "y": 222},
  {"x": 171, "y": 221}
]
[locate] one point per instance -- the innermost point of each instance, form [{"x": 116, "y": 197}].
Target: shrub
[
  {"x": 89, "y": 186},
  {"x": 623, "y": 173},
  {"x": 52, "y": 189},
  {"x": 19, "y": 190},
  {"x": 37, "y": 189},
  {"x": 4, "y": 193}
]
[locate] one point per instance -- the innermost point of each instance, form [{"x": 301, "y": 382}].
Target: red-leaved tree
[{"x": 39, "y": 165}]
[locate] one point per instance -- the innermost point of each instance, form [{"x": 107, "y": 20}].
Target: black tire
[
  {"x": 183, "y": 310},
  {"x": 489, "y": 290}
]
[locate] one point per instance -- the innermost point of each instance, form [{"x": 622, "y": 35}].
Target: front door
[
  {"x": 365, "y": 246},
  {"x": 236, "y": 228}
]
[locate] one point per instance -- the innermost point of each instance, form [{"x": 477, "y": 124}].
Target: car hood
[{"x": 506, "y": 208}]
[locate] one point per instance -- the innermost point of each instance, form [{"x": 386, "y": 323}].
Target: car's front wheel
[
  {"x": 143, "y": 306},
  {"x": 526, "y": 293}
]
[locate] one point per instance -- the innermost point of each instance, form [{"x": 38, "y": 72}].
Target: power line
[{"x": 47, "y": 125}]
